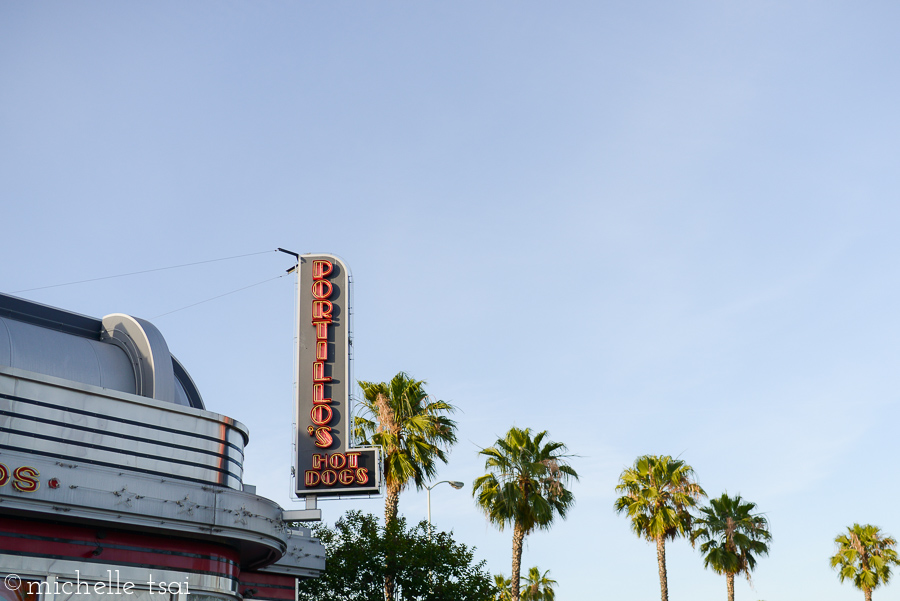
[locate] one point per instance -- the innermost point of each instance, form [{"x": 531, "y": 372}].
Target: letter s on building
[{"x": 25, "y": 479}]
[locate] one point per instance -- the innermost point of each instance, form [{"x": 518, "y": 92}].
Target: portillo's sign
[{"x": 326, "y": 465}]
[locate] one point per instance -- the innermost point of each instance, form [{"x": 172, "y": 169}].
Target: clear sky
[{"x": 647, "y": 227}]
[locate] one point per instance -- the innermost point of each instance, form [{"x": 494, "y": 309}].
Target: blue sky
[{"x": 654, "y": 227}]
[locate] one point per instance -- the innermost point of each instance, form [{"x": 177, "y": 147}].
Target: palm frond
[
  {"x": 865, "y": 556},
  {"x": 526, "y": 481},
  {"x": 657, "y": 495},
  {"x": 410, "y": 427}
]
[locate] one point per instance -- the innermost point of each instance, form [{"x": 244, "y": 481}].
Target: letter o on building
[
  {"x": 321, "y": 289},
  {"x": 321, "y": 415}
]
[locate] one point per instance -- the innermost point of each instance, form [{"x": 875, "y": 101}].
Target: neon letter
[
  {"x": 319, "y": 395},
  {"x": 321, "y": 414},
  {"x": 321, "y": 269},
  {"x": 319, "y": 372},
  {"x": 323, "y": 437},
  {"x": 322, "y": 289},
  {"x": 25, "y": 479},
  {"x": 362, "y": 476},
  {"x": 319, "y": 461},
  {"x": 321, "y": 310}
]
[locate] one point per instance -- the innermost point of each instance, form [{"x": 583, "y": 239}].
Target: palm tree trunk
[
  {"x": 868, "y": 593},
  {"x": 518, "y": 537},
  {"x": 387, "y": 422},
  {"x": 729, "y": 578},
  {"x": 661, "y": 559},
  {"x": 391, "y": 501}
]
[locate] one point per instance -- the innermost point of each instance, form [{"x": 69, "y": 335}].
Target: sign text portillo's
[{"x": 325, "y": 463}]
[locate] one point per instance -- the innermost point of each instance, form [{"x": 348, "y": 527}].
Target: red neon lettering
[
  {"x": 321, "y": 310},
  {"x": 337, "y": 461},
  {"x": 362, "y": 476},
  {"x": 321, "y": 414},
  {"x": 323, "y": 437},
  {"x": 25, "y": 479},
  {"x": 321, "y": 351},
  {"x": 321, "y": 329},
  {"x": 319, "y": 372},
  {"x": 353, "y": 459},
  {"x": 321, "y": 269},
  {"x": 312, "y": 478},
  {"x": 319, "y": 460},
  {"x": 322, "y": 289},
  {"x": 4, "y": 474},
  {"x": 346, "y": 477},
  {"x": 329, "y": 477},
  {"x": 319, "y": 395}
]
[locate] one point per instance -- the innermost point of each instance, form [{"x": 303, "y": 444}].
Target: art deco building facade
[{"x": 113, "y": 473}]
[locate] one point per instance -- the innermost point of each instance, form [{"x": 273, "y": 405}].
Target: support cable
[
  {"x": 121, "y": 275},
  {"x": 219, "y": 296}
]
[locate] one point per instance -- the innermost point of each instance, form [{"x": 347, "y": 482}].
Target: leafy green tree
[
  {"x": 733, "y": 536},
  {"x": 413, "y": 432},
  {"x": 658, "y": 493},
  {"x": 865, "y": 555},
  {"x": 537, "y": 586},
  {"x": 525, "y": 488},
  {"x": 359, "y": 553}
]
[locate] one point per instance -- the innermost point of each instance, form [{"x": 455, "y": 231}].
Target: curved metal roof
[{"x": 119, "y": 352}]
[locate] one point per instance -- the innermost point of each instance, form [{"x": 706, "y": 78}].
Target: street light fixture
[{"x": 455, "y": 484}]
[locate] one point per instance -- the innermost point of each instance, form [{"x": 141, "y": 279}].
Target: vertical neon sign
[{"x": 326, "y": 465}]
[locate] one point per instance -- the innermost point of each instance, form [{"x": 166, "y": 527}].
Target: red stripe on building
[
  {"x": 267, "y": 586},
  {"x": 99, "y": 544}
]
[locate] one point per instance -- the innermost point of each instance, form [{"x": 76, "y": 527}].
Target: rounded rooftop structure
[{"x": 119, "y": 352}]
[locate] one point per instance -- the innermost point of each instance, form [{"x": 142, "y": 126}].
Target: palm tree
[
  {"x": 525, "y": 487},
  {"x": 658, "y": 493},
  {"x": 733, "y": 536},
  {"x": 413, "y": 433},
  {"x": 537, "y": 586},
  {"x": 865, "y": 555},
  {"x": 502, "y": 584}
]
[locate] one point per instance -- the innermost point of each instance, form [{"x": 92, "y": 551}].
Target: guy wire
[{"x": 121, "y": 275}]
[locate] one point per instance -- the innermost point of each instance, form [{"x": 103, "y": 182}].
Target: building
[{"x": 115, "y": 479}]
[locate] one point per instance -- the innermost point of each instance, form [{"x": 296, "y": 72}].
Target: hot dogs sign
[{"x": 326, "y": 465}]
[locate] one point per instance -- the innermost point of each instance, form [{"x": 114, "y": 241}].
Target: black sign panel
[{"x": 326, "y": 465}]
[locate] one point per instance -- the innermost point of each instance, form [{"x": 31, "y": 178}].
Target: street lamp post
[{"x": 453, "y": 483}]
